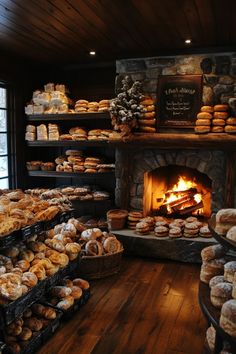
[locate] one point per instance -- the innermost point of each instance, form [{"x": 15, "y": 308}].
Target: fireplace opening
[{"x": 177, "y": 191}]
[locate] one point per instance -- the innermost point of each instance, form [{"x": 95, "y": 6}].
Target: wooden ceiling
[{"x": 64, "y": 31}]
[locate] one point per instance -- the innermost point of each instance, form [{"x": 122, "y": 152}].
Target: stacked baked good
[
  {"x": 40, "y": 165},
  {"x": 42, "y": 132},
  {"x": 133, "y": 218},
  {"x": 67, "y": 293},
  {"x": 220, "y": 116},
  {"x": 204, "y": 118},
  {"x": 19, "y": 333},
  {"x": 147, "y": 119},
  {"x": 53, "y": 132},
  {"x": 213, "y": 262},
  {"x": 51, "y": 100},
  {"x": 84, "y": 106},
  {"x": 211, "y": 338},
  {"x": 226, "y": 222},
  {"x": 30, "y": 134}
]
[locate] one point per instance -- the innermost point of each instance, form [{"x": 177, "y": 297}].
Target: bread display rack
[{"x": 211, "y": 313}]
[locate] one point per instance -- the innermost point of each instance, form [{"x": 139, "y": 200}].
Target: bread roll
[
  {"x": 83, "y": 284},
  {"x": 217, "y": 121},
  {"x": 60, "y": 291},
  {"x": 33, "y": 323},
  {"x": 230, "y": 129},
  {"x": 76, "y": 292},
  {"x": 217, "y": 129},
  {"x": 23, "y": 265},
  {"x": 221, "y": 108},
  {"x": 229, "y": 271},
  {"x": 26, "y": 334},
  {"x": 221, "y": 115},
  {"x": 228, "y": 317},
  {"x": 208, "y": 109},
  {"x": 66, "y": 303},
  {"x": 204, "y": 115},
  {"x": 225, "y": 219},
  {"x": 203, "y": 122},
  {"x": 212, "y": 252},
  {"x": 201, "y": 129},
  {"x": 221, "y": 293},
  {"x": 29, "y": 279},
  {"x": 231, "y": 121},
  {"x": 27, "y": 255},
  {"x": 49, "y": 313},
  {"x": 216, "y": 280}
]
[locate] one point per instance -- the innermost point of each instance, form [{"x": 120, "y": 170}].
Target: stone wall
[
  {"x": 218, "y": 70},
  {"x": 211, "y": 163}
]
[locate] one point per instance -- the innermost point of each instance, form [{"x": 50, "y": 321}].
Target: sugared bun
[
  {"x": 221, "y": 293},
  {"x": 212, "y": 252},
  {"x": 211, "y": 268},
  {"x": 229, "y": 270},
  {"x": 216, "y": 280},
  {"x": 210, "y": 337},
  {"x": 91, "y": 234},
  {"x": 228, "y": 317}
]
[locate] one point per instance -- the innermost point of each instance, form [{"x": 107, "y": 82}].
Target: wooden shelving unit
[
  {"x": 70, "y": 174},
  {"x": 68, "y": 117}
]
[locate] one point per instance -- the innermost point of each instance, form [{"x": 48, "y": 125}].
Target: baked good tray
[{"x": 225, "y": 242}]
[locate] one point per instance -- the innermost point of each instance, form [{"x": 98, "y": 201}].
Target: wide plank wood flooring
[{"x": 150, "y": 307}]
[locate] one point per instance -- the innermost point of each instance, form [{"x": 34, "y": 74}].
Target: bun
[
  {"x": 202, "y": 129},
  {"x": 61, "y": 291},
  {"x": 217, "y": 129},
  {"x": 203, "y": 121},
  {"x": 23, "y": 265},
  {"x": 147, "y": 122},
  {"x": 228, "y": 317},
  {"x": 111, "y": 245},
  {"x": 212, "y": 252},
  {"x": 49, "y": 313},
  {"x": 91, "y": 234},
  {"x": 27, "y": 255},
  {"x": 211, "y": 268},
  {"x": 29, "y": 279},
  {"x": 230, "y": 129},
  {"x": 216, "y": 280},
  {"x": 220, "y": 293},
  {"x": 39, "y": 271},
  {"x": 217, "y": 121},
  {"x": 66, "y": 303},
  {"x": 147, "y": 129},
  {"x": 26, "y": 334},
  {"x": 208, "y": 109},
  {"x": 220, "y": 115},
  {"x": 229, "y": 270},
  {"x": 76, "y": 292},
  {"x": 33, "y": 323},
  {"x": 83, "y": 284},
  {"x": 204, "y": 115},
  {"x": 221, "y": 108},
  {"x": 231, "y": 121}
]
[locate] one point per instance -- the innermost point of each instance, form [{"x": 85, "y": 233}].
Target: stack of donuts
[
  {"x": 84, "y": 106},
  {"x": 147, "y": 120},
  {"x": 220, "y": 275},
  {"x": 133, "y": 218}
]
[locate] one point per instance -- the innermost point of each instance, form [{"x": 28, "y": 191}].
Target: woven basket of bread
[{"x": 97, "y": 267}]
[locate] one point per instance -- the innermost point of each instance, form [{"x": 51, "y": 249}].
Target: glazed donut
[
  {"x": 111, "y": 245},
  {"x": 91, "y": 234},
  {"x": 221, "y": 108},
  {"x": 208, "y": 109},
  {"x": 204, "y": 115},
  {"x": 221, "y": 115},
  {"x": 93, "y": 248}
]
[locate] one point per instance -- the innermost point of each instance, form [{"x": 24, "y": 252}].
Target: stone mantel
[{"x": 212, "y": 141}]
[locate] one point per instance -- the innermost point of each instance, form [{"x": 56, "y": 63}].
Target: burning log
[
  {"x": 190, "y": 191},
  {"x": 191, "y": 208},
  {"x": 178, "y": 201}
]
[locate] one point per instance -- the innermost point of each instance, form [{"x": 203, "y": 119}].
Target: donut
[
  {"x": 227, "y": 317},
  {"x": 212, "y": 252},
  {"x": 221, "y": 108},
  {"x": 216, "y": 280},
  {"x": 208, "y": 109},
  {"x": 220, "y": 293},
  {"x": 93, "y": 248},
  {"x": 204, "y": 115}
]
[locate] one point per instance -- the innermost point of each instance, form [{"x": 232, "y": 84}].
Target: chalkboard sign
[{"x": 179, "y": 99}]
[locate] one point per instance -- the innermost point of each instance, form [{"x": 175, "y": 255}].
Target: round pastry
[
  {"x": 205, "y": 232},
  {"x": 191, "y": 219},
  {"x": 202, "y": 129},
  {"x": 29, "y": 279},
  {"x": 33, "y": 323},
  {"x": 229, "y": 270},
  {"x": 83, "y": 284},
  {"x": 142, "y": 228},
  {"x": 82, "y": 101},
  {"x": 27, "y": 255},
  {"x": 218, "y": 121},
  {"x": 217, "y": 129},
  {"x": 204, "y": 115},
  {"x": 210, "y": 338},
  {"x": 203, "y": 122},
  {"x": 104, "y": 103},
  {"x": 60, "y": 291},
  {"x": 216, "y": 280},
  {"x": 49, "y": 313},
  {"x": 161, "y": 231},
  {"x": 39, "y": 271},
  {"x": 231, "y": 121},
  {"x": 60, "y": 159},
  {"x": 212, "y": 252},
  {"x": 77, "y": 130},
  {"x": 111, "y": 245},
  {"x": 147, "y": 101},
  {"x": 65, "y": 137},
  {"x": 211, "y": 268},
  {"x": 230, "y": 129},
  {"x": 78, "y": 225},
  {"x": 191, "y": 229},
  {"x": 231, "y": 234},
  {"x": 93, "y": 248},
  {"x": 150, "y": 221},
  {"x": 220, "y": 115},
  {"x": 76, "y": 292},
  {"x": 162, "y": 223},
  {"x": 36, "y": 246},
  {"x": 147, "y": 129},
  {"x": 221, "y": 108},
  {"x": 48, "y": 166},
  {"x": 91, "y": 234},
  {"x": 26, "y": 334},
  {"x": 220, "y": 293},
  {"x": 147, "y": 122},
  {"x": 66, "y": 303},
  {"x": 175, "y": 232},
  {"x": 227, "y": 317},
  {"x": 69, "y": 230},
  {"x": 23, "y": 265},
  {"x": 208, "y": 109}
]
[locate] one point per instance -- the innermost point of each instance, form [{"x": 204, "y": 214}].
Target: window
[{"x": 4, "y": 153}]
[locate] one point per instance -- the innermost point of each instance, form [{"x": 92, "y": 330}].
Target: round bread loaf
[
  {"x": 208, "y": 109},
  {"x": 204, "y": 115},
  {"x": 216, "y": 280},
  {"x": 217, "y": 129},
  {"x": 230, "y": 129},
  {"x": 212, "y": 252},
  {"x": 221, "y": 108},
  {"x": 203, "y": 121},
  {"x": 229, "y": 271},
  {"x": 220, "y": 115},
  {"x": 220, "y": 293},
  {"x": 231, "y": 121},
  {"x": 228, "y": 317},
  {"x": 217, "y": 121},
  {"x": 201, "y": 129}
]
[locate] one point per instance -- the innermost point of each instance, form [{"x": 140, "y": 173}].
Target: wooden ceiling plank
[
  {"x": 207, "y": 21},
  {"x": 192, "y": 18},
  {"x": 221, "y": 14}
]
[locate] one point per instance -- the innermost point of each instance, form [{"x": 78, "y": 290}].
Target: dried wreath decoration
[{"x": 126, "y": 108}]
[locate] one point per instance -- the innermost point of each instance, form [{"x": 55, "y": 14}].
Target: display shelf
[
  {"x": 212, "y": 314},
  {"x": 225, "y": 242},
  {"x": 68, "y": 117},
  {"x": 62, "y": 143},
  {"x": 70, "y": 174}
]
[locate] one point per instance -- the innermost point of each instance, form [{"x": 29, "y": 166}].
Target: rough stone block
[
  {"x": 169, "y": 159},
  {"x": 132, "y": 65},
  {"x": 170, "y": 71},
  {"x": 207, "y": 96},
  {"x": 222, "y": 65},
  {"x": 136, "y": 203},
  {"x": 161, "y": 160},
  {"x": 192, "y": 161},
  {"x": 180, "y": 160},
  {"x": 138, "y": 76},
  {"x": 165, "y": 61},
  {"x": 219, "y": 89},
  {"x": 133, "y": 190},
  {"x": 226, "y": 80},
  {"x": 202, "y": 166},
  {"x": 138, "y": 176},
  {"x": 153, "y": 73},
  {"x": 117, "y": 197},
  {"x": 140, "y": 190}
]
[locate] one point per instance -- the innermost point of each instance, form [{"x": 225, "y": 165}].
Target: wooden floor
[{"x": 151, "y": 307}]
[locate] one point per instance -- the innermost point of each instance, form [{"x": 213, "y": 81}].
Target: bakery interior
[{"x": 118, "y": 177}]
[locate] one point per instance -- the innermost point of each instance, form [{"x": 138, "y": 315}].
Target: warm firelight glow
[{"x": 183, "y": 185}]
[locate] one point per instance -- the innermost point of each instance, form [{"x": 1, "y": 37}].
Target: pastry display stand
[{"x": 211, "y": 313}]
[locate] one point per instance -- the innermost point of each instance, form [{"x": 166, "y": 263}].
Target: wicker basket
[
  {"x": 97, "y": 267},
  {"x": 116, "y": 219}
]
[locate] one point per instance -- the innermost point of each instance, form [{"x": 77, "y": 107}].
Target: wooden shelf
[
  {"x": 68, "y": 117},
  {"x": 213, "y": 315},
  {"x": 225, "y": 242},
  {"x": 61, "y": 143},
  {"x": 70, "y": 174}
]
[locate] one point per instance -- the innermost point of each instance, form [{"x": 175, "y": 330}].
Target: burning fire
[{"x": 175, "y": 194}]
